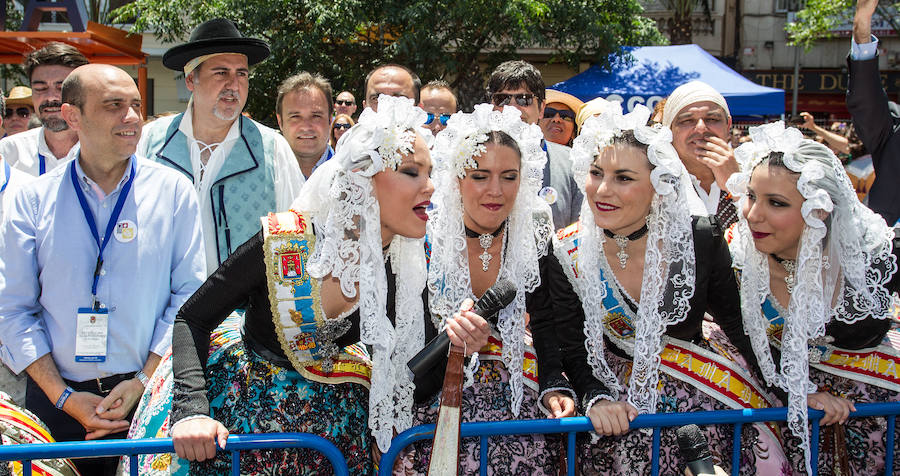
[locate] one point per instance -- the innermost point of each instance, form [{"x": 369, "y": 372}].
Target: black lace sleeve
[
  {"x": 222, "y": 293},
  {"x": 551, "y": 301}
]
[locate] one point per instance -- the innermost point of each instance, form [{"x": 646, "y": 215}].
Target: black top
[
  {"x": 715, "y": 292},
  {"x": 240, "y": 281}
]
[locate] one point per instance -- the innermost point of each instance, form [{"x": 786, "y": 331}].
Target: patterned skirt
[
  {"x": 487, "y": 399},
  {"x": 249, "y": 395},
  {"x": 631, "y": 452},
  {"x": 863, "y": 438}
]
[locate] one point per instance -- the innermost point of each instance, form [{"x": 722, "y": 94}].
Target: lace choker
[
  {"x": 790, "y": 265},
  {"x": 622, "y": 242},
  {"x": 485, "y": 240}
]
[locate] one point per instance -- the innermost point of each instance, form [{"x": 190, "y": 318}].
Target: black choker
[
  {"x": 789, "y": 265},
  {"x": 485, "y": 240},
  {"x": 622, "y": 242}
]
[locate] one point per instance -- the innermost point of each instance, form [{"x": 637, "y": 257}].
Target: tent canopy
[{"x": 657, "y": 70}]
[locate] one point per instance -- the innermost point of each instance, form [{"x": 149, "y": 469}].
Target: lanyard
[
  {"x": 42, "y": 165},
  {"x": 110, "y": 225},
  {"x": 7, "y": 174}
]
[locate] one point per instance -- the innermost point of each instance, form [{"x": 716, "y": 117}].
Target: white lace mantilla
[{"x": 527, "y": 235}]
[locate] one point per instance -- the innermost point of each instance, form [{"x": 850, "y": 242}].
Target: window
[{"x": 782, "y": 6}]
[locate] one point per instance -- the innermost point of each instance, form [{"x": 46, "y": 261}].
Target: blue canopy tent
[{"x": 657, "y": 70}]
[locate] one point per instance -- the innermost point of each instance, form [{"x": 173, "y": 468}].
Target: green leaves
[{"x": 460, "y": 41}]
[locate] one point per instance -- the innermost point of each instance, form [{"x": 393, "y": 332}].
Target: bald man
[
  {"x": 393, "y": 80},
  {"x": 439, "y": 102},
  {"x": 701, "y": 132},
  {"x": 100, "y": 254}
]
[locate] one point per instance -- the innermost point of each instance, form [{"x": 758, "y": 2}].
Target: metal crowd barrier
[
  {"x": 571, "y": 426},
  {"x": 133, "y": 448},
  {"x": 483, "y": 430}
]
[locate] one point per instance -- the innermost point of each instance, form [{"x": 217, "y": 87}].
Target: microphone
[
  {"x": 695, "y": 450},
  {"x": 494, "y": 299}
]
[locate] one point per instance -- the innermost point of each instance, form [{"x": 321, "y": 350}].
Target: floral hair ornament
[
  {"x": 669, "y": 262},
  {"x": 844, "y": 255},
  {"x": 527, "y": 233},
  {"x": 340, "y": 199}
]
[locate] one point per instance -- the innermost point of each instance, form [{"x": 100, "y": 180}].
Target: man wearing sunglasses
[
  {"x": 39, "y": 150},
  {"x": 520, "y": 85},
  {"x": 558, "y": 122},
  {"x": 345, "y": 104},
  {"x": 439, "y": 102},
  {"x": 18, "y": 110}
]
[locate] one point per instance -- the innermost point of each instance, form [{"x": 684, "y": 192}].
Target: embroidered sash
[
  {"x": 307, "y": 337},
  {"x": 879, "y": 366},
  {"x": 494, "y": 351},
  {"x": 713, "y": 374}
]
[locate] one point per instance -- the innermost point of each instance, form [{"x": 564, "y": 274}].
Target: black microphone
[
  {"x": 695, "y": 450},
  {"x": 493, "y": 300}
]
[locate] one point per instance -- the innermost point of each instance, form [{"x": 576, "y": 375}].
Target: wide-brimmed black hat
[{"x": 218, "y": 35}]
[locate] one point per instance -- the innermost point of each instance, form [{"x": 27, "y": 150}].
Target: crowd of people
[{"x": 202, "y": 274}]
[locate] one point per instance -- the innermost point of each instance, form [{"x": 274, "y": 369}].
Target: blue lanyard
[
  {"x": 110, "y": 225},
  {"x": 6, "y": 173},
  {"x": 42, "y": 165}
]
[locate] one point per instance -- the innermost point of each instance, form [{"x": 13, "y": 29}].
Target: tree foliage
[
  {"x": 460, "y": 41},
  {"x": 681, "y": 31},
  {"x": 818, "y": 17}
]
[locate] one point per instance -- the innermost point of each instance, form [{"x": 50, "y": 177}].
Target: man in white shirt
[
  {"x": 701, "y": 128},
  {"x": 38, "y": 151},
  {"x": 241, "y": 169}
]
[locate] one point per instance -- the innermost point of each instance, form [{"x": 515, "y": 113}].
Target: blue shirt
[
  {"x": 864, "y": 51},
  {"x": 151, "y": 266}
]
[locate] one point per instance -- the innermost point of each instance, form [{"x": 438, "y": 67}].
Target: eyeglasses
[
  {"x": 23, "y": 112},
  {"x": 503, "y": 99},
  {"x": 443, "y": 118},
  {"x": 344, "y": 102},
  {"x": 342, "y": 126},
  {"x": 564, "y": 114}
]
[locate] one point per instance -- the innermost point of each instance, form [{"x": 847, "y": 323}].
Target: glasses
[
  {"x": 443, "y": 118},
  {"x": 564, "y": 114},
  {"x": 344, "y": 102},
  {"x": 22, "y": 112},
  {"x": 342, "y": 126},
  {"x": 503, "y": 99}
]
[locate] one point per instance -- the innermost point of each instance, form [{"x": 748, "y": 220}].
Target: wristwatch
[{"x": 142, "y": 377}]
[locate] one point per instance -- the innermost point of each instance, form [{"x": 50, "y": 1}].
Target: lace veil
[
  {"x": 341, "y": 202},
  {"x": 844, "y": 261},
  {"x": 669, "y": 261},
  {"x": 528, "y": 232}
]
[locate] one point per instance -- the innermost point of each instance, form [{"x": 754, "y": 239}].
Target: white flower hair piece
[
  {"x": 381, "y": 138},
  {"x": 528, "y": 230},
  {"x": 850, "y": 260},
  {"x": 669, "y": 262}
]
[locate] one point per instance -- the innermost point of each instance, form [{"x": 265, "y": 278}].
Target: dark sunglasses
[
  {"x": 503, "y": 99},
  {"x": 21, "y": 112},
  {"x": 443, "y": 118},
  {"x": 342, "y": 102},
  {"x": 342, "y": 126},
  {"x": 564, "y": 114}
]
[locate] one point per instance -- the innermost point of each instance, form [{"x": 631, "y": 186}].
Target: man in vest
[{"x": 241, "y": 169}]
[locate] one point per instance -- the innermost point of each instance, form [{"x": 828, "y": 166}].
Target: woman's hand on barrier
[
  {"x": 836, "y": 409},
  {"x": 612, "y": 418},
  {"x": 195, "y": 439},
  {"x": 559, "y": 404},
  {"x": 468, "y": 330}
]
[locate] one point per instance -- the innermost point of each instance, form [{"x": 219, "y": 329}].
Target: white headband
[{"x": 690, "y": 93}]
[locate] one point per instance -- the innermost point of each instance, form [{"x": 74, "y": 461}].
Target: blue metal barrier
[
  {"x": 133, "y": 448},
  {"x": 571, "y": 426}
]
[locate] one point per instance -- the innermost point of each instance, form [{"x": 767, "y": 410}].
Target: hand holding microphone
[{"x": 467, "y": 330}]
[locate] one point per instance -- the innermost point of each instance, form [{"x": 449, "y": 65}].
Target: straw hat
[{"x": 19, "y": 96}]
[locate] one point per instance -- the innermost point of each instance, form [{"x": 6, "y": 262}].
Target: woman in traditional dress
[
  {"x": 818, "y": 275},
  {"x": 646, "y": 272},
  {"x": 345, "y": 265},
  {"x": 489, "y": 224}
]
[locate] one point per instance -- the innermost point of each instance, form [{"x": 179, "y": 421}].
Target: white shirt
[
  {"x": 13, "y": 181},
  {"x": 288, "y": 179},
  {"x": 22, "y": 149}
]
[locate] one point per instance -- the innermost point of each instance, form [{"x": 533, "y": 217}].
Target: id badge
[{"x": 90, "y": 335}]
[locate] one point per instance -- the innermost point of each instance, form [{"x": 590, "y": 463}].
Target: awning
[{"x": 657, "y": 70}]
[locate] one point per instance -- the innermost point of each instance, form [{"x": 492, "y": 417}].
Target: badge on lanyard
[{"x": 90, "y": 335}]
